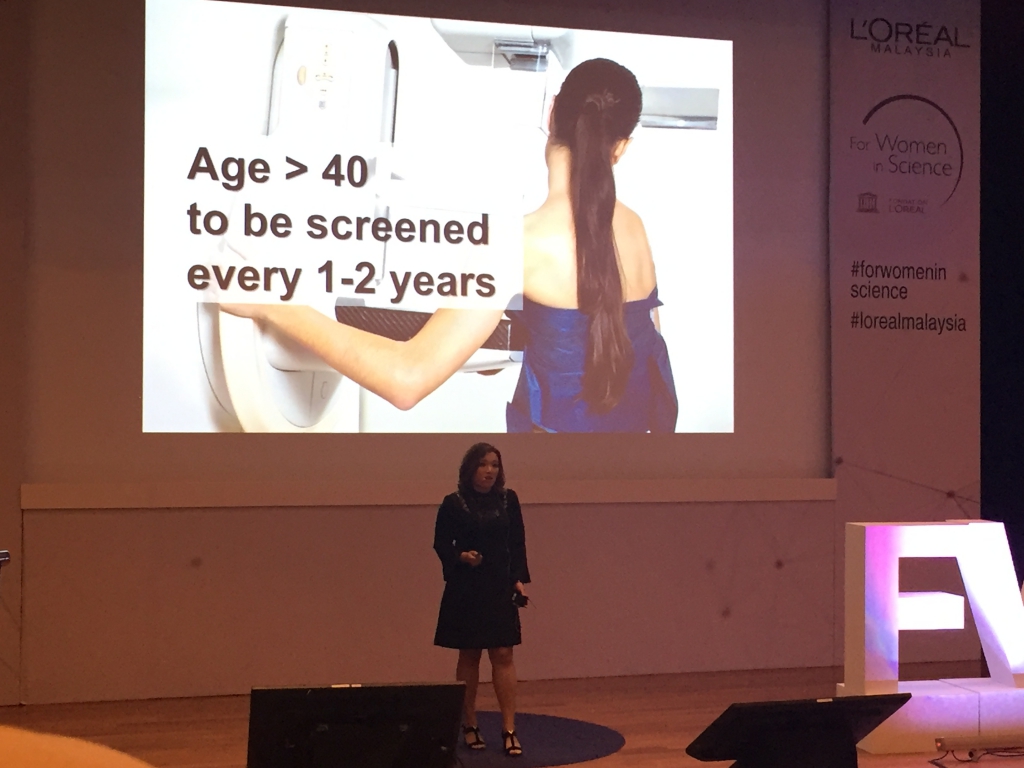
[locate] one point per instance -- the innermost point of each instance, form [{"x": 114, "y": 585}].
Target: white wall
[{"x": 145, "y": 603}]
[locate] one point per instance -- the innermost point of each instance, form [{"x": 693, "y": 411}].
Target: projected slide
[{"x": 368, "y": 223}]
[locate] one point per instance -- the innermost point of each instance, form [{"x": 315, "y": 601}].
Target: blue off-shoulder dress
[{"x": 548, "y": 395}]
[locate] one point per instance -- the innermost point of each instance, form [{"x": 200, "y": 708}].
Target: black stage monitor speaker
[
  {"x": 355, "y": 726},
  {"x": 808, "y": 733}
]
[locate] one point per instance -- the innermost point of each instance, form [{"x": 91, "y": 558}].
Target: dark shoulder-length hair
[
  {"x": 598, "y": 105},
  {"x": 472, "y": 460}
]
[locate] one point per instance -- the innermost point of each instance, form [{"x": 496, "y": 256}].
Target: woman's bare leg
[
  {"x": 503, "y": 673},
  {"x": 468, "y": 671}
]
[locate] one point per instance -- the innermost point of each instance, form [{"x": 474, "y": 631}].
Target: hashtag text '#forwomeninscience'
[
  {"x": 900, "y": 322},
  {"x": 896, "y": 272}
]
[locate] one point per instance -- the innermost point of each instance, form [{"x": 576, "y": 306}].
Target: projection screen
[{"x": 359, "y": 223}]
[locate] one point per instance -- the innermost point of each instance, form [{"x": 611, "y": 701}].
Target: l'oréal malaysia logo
[{"x": 903, "y": 38}]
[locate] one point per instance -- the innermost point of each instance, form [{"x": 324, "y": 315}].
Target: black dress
[{"x": 477, "y": 609}]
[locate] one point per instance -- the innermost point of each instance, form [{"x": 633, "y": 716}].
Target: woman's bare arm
[{"x": 402, "y": 372}]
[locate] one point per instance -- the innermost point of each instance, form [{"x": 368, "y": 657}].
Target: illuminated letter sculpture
[{"x": 986, "y": 709}]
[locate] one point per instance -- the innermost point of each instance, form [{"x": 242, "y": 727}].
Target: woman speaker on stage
[{"x": 480, "y": 539}]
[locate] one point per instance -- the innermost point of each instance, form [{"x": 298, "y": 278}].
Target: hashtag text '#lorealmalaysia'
[{"x": 937, "y": 324}]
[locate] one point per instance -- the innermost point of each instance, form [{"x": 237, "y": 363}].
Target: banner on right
[{"x": 904, "y": 226}]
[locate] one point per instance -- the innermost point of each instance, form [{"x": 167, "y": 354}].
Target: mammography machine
[{"x": 335, "y": 78}]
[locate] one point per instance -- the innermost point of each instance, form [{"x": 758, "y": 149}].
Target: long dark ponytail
[{"x": 598, "y": 105}]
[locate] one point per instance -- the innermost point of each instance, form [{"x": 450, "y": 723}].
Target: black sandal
[
  {"x": 511, "y": 743},
  {"x": 478, "y": 740}
]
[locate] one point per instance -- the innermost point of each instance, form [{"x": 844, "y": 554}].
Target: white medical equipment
[
  {"x": 530, "y": 48},
  {"x": 323, "y": 67}
]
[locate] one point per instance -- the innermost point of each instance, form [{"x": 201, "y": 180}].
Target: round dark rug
[{"x": 546, "y": 740}]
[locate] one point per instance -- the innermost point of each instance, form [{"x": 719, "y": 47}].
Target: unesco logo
[{"x": 867, "y": 202}]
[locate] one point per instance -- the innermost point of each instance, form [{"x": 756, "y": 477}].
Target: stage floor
[{"x": 658, "y": 715}]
